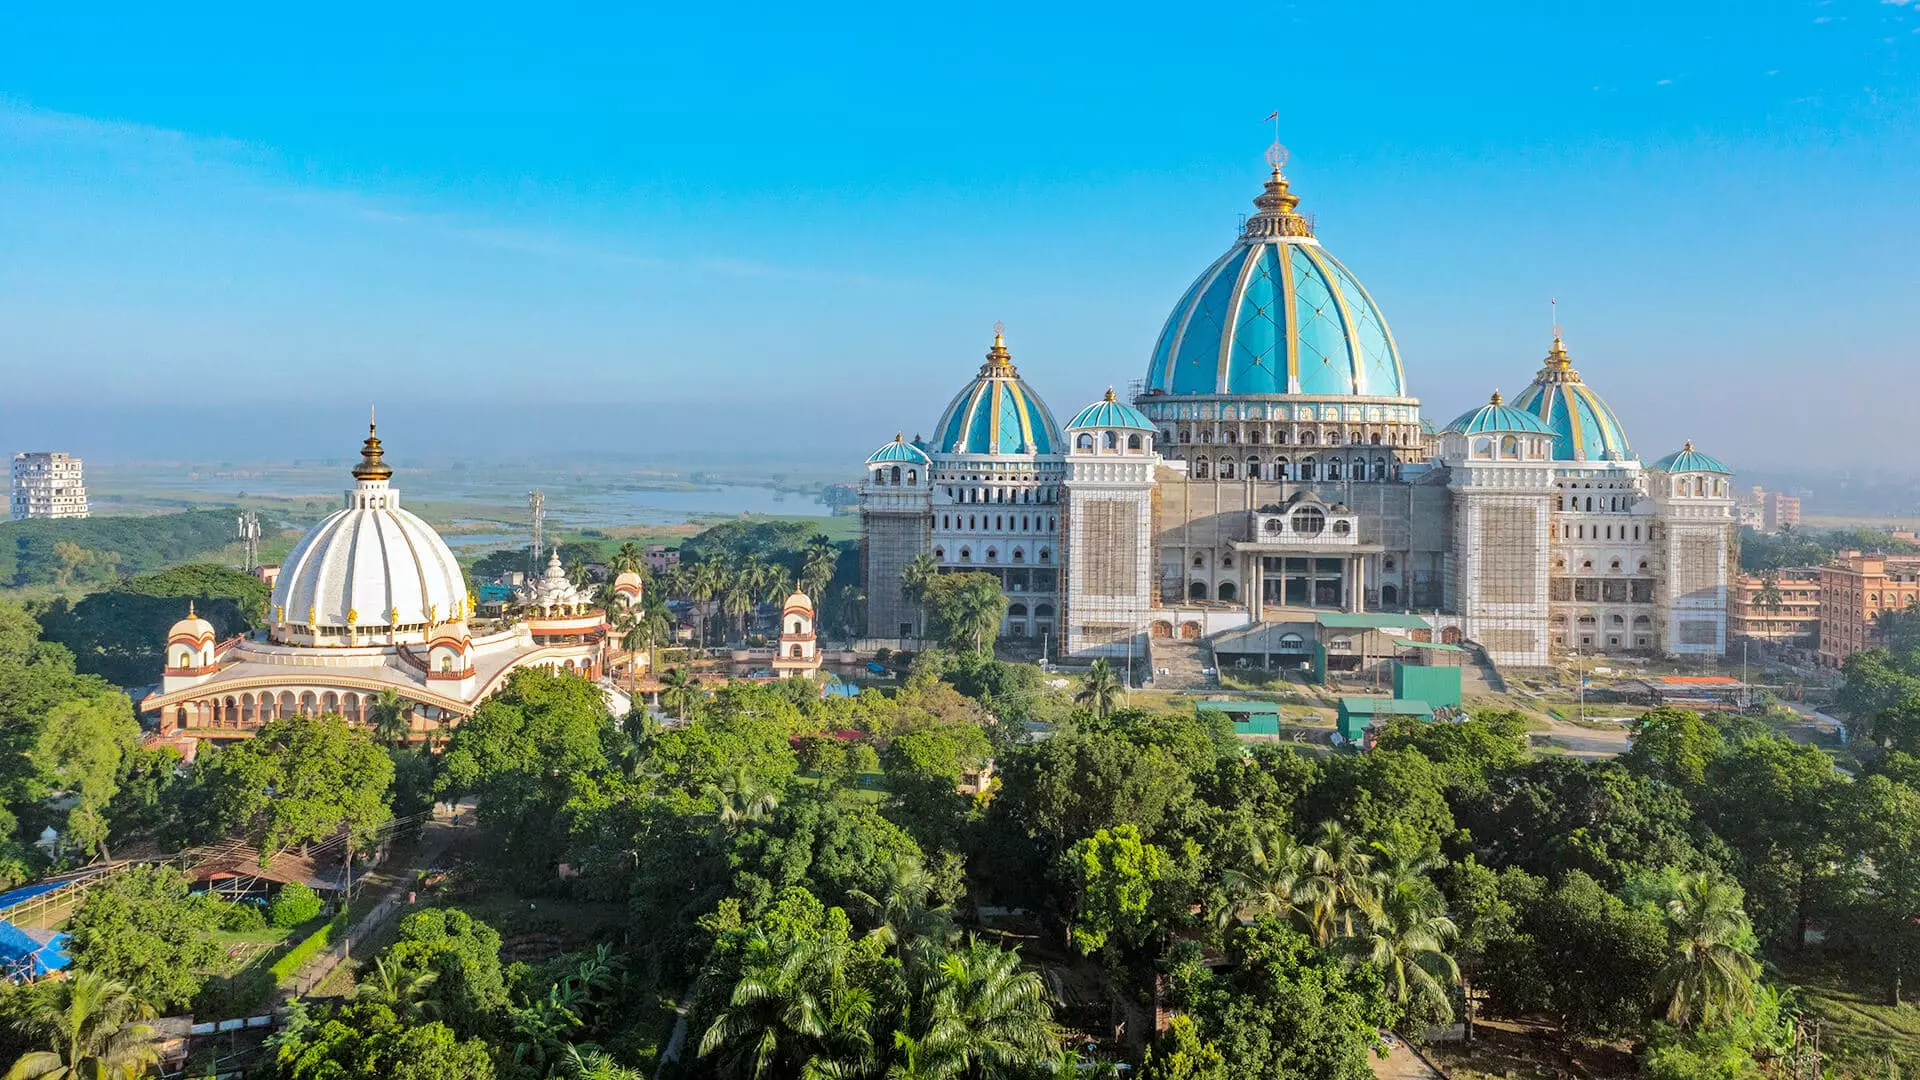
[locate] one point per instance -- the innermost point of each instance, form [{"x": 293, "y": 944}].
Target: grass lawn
[{"x": 1859, "y": 1032}]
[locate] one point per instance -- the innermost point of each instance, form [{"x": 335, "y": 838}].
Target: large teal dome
[
  {"x": 1584, "y": 428},
  {"x": 997, "y": 413},
  {"x": 1277, "y": 314}
]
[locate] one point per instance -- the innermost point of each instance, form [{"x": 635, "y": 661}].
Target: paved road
[{"x": 1402, "y": 1064}]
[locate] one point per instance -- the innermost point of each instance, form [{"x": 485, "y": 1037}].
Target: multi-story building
[
  {"x": 1855, "y": 590},
  {"x": 47, "y": 485},
  {"x": 1273, "y": 469},
  {"x": 1778, "y": 511},
  {"x": 1780, "y": 608}
]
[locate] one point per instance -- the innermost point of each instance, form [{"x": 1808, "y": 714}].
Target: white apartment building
[{"x": 47, "y": 485}]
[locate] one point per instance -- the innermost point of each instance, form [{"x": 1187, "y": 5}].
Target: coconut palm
[
  {"x": 904, "y": 918},
  {"x": 389, "y": 717},
  {"x": 680, "y": 691},
  {"x": 795, "y": 1011},
  {"x": 704, "y": 582},
  {"x": 629, "y": 557},
  {"x": 95, "y": 1028},
  {"x": 1099, "y": 689},
  {"x": 736, "y": 602},
  {"x": 993, "y": 1016},
  {"x": 1404, "y": 932},
  {"x": 1709, "y": 978},
  {"x": 740, "y": 800},
  {"x": 914, "y": 579},
  {"x": 1338, "y": 884},
  {"x": 817, "y": 565},
  {"x": 1272, "y": 879},
  {"x": 405, "y": 994}
]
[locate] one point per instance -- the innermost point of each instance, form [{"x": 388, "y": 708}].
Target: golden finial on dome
[
  {"x": 1687, "y": 448},
  {"x": 1110, "y": 396},
  {"x": 899, "y": 436},
  {"x": 190, "y": 613},
  {"x": 371, "y": 466},
  {"x": 999, "y": 360},
  {"x": 1278, "y": 207},
  {"x": 1495, "y": 399}
]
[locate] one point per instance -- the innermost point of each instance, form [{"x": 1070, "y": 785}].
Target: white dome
[{"x": 370, "y": 566}]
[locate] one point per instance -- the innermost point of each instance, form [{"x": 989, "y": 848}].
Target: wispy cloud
[{"x": 260, "y": 172}]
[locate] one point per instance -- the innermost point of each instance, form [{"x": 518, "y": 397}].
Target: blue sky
[{"x": 563, "y": 228}]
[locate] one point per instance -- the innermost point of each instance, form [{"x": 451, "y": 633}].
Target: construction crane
[
  {"x": 537, "y": 503},
  {"x": 249, "y": 535}
]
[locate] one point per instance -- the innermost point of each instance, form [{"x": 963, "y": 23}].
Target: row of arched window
[
  {"x": 1109, "y": 442},
  {"x": 1286, "y": 437},
  {"x": 1000, "y": 522},
  {"x": 1042, "y": 495},
  {"x": 893, "y": 477},
  {"x": 1017, "y": 556},
  {"x": 1283, "y": 469}
]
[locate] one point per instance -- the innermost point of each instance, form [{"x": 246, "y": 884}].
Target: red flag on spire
[{"x": 1274, "y": 115}]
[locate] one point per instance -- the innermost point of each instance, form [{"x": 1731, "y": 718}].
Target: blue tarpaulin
[
  {"x": 26, "y": 956},
  {"x": 19, "y": 896}
]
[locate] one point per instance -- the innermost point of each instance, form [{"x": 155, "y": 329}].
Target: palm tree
[
  {"x": 388, "y": 715},
  {"x": 737, "y": 603},
  {"x": 594, "y": 1064},
  {"x": 990, "y": 1014},
  {"x": 629, "y": 557},
  {"x": 405, "y": 994},
  {"x": 577, "y": 572},
  {"x": 816, "y": 566},
  {"x": 1709, "y": 978},
  {"x": 914, "y": 579},
  {"x": 795, "y": 1011},
  {"x": 740, "y": 800},
  {"x": 1337, "y": 882},
  {"x": 904, "y": 919},
  {"x": 1099, "y": 689},
  {"x": 1404, "y": 932},
  {"x": 96, "y": 1028},
  {"x": 680, "y": 691},
  {"x": 705, "y": 581},
  {"x": 1273, "y": 879},
  {"x": 1768, "y": 597}
]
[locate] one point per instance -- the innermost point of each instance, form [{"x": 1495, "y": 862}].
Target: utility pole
[{"x": 537, "y": 503}]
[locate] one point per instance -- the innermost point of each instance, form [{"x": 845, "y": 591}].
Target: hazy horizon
[{"x": 519, "y": 235}]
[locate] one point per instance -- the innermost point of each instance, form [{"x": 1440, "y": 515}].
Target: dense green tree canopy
[
  {"x": 142, "y": 928},
  {"x": 299, "y": 780}
]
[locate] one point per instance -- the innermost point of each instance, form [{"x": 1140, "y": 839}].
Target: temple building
[
  {"x": 1272, "y": 475},
  {"x": 371, "y": 600}
]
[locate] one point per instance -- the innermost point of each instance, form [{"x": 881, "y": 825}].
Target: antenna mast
[{"x": 537, "y": 503}]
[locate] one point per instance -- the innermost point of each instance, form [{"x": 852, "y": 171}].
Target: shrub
[
  {"x": 311, "y": 946},
  {"x": 242, "y": 918},
  {"x": 295, "y": 904}
]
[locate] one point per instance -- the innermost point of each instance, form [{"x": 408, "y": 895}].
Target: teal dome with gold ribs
[
  {"x": 997, "y": 413},
  {"x": 1584, "y": 427},
  {"x": 1277, "y": 315}
]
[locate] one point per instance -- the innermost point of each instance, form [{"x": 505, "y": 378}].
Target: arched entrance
[
  {"x": 1162, "y": 628},
  {"x": 1190, "y": 631}
]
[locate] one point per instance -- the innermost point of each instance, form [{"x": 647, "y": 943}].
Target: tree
[
  {"x": 141, "y": 927},
  {"x": 680, "y": 691},
  {"x": 1674, "y": 745},
  {"x": 1339, "y": 882},
  {"x": 1776, "y": 804},
  {"x": 299, "y": 780},
  {"x": 919, "y": 573},
  {"x": 1181, "y": 1054},
  {"x": 1284, "y": 1009},
  {"x": 1578, "y": 954},
  {"x": 94, "y": 1027},
  {"x": 1709, "y": 978},
  {"x": 389, "y": 716},
  {"x": 595, "y": 1065},
  {"x": 365, "y": 1039},
  {"x": 461, "y": 955},
  {"x": 740, "y": 800},
  {"x": 1271, "y": 878},
  {"x": 991, "y": 1016},
  {"x": 1404, "y": 933},
  {"x": 1879, "y": 817},
  {"x": 817, "y": 566},
  {"x": 1099, "y": 690},
  {"x": 1114, "y": 874},
  {"x": 293, "y": 905},
  {"x": 797, "y": 1006},
  {"x": 964, "y": 611}
]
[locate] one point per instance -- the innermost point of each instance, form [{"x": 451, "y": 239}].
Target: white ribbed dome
[{"x": 370, "y": 567}]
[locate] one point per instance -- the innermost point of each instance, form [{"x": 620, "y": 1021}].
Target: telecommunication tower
[
  {"x": 249, "y": 535},
  {"x": 537, "y": 503}
]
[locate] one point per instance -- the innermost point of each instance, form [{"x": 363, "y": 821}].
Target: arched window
[
  {"x": 1199, "y": 561},
  {"x": 966, "y": 554},
  {"x": 1375, "y": 439},
  {"x": 895, "y": 474},
  {"x": 1483, "y": 448},
  {"x": 1133, "y": 442},
  {"x": 1200, "y": 468},
  {"x": 1342, "y": 528},
  {"x": 1197, "y": 591},
  {"x": 1228, "y": 591},
  {"x": 1017, "y": 611},
  {"x": 1509, "y": 446},
  {"x": 1083, "y": 441},
  {"x": 1226, "y": 561},
  {"x": 1019, "y": 555},
  {"x": 1308, "y": 469},
  {"x": 993, "y": 555},
  {"x": 1389, "y": 595},
  {"x": 1379, "y": 468},
  {"x": 1614, "y": 566},
  {"x": 1309, "y": 521},
  {"x": 1333, "y": 469},
  {"x": 1226, "y": 470},
  {"x": 1111, "y": 440},
  {"x": 940, "y": 554},
  {"x": 913, "y": 476}
]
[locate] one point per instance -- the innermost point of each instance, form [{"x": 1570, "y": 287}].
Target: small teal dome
[
  {"x": 1110, "y": 412},
  {"x": 997, "y": 413},
  {"x": 898, "y": 452},
  {"x": 1276, "y": 315},
  {"x": 1495, "y": 416},
  {"x": 1687, "y": 459},
  {"x": 1583, "y": 428}
]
